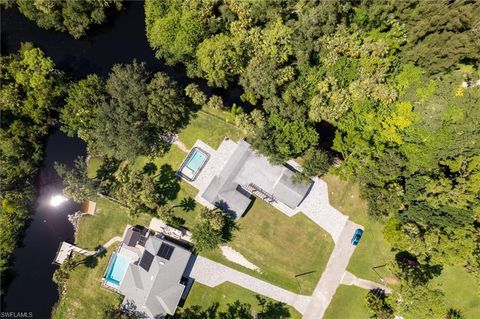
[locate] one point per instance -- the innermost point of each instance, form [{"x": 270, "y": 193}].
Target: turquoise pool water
[
  {"x": 117, "y": 269},
  {"x": 196, "y": 160}
]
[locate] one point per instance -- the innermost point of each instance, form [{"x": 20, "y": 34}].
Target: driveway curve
[{"x": 212, "y": 274}]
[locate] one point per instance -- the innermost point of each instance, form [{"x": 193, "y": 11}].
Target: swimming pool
[
  {"x": 116, "y": 269},
  {"x": 194, "y": 163}
]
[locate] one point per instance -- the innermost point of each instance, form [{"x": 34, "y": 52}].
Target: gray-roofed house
[
  {"x": 153, "y": 285},
  {"x": 244, "y": 173}
]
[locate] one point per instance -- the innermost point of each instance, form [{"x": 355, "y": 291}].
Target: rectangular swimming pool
[
  {"x": 194, "y": 163},
  {"x": 116, "y": 269}
]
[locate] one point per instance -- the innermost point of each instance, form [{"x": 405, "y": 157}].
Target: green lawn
[
  {"x": 84, "y": 298},
  {"x": 348, "y": 303},
  {"x": 173, "y": 157},
  {"x": 209, "y": 128},
  {"x": 93, "y": 165},
  {"x": 461, "y": 290},
  {"x": 224, "y": 294},
  {"x": 373, "y": 250},
  {"x": 281, "y": 246},
  {"x": 109, "y": 221}
]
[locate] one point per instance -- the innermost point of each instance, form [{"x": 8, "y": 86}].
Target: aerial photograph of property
[{"x": 240, "y": 159}]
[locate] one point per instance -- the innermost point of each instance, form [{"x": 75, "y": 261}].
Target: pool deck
[{"x": 217, "y": 160}]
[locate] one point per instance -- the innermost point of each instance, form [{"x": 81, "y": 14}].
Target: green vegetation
[
  {"x": 345, "y": 197},
  {"x": 76, "y": 183},
  {"x": 263, "y": 237},
  {"x": 224, "y": 294},
  {"x": 210, "y": 129},
  {"x": 30, "y": 93},
  {"x": 348, "y": 303},
  {"x": 212, "y": 228},
  {"x": 128, "y": 115},
  {"x": 83, "y": 297},
  {"x": 461, "y": 290},
  {"x": 109, "y": 221},
  {"x": 75, "y": 17}
]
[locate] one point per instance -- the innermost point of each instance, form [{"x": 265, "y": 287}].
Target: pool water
[
  {"x": 196, "y": 160},
  {"x": 117, "y": 269}
]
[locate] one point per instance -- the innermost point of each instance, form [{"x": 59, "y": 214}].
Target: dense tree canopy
[
  {"x": 397, "y": 81},
  {"x": 131, "y": 113},
  {"x": 75, "y": 17},
  {"x": 30, "y": 92}
]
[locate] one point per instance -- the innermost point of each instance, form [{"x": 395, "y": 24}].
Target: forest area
[{"x": 398, "y": 81}]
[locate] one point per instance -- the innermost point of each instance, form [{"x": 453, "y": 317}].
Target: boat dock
[{"x": 65, "y": 251}]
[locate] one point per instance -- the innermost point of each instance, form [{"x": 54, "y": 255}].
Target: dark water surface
[{"x": 32, "y": 289}]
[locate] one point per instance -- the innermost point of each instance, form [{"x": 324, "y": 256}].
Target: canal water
[{"x": 32, "y": 289}]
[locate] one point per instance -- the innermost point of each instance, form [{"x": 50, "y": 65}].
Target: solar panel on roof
[
  {"x": 165, "y": 251},
  {"x": 146, "y": 260}
]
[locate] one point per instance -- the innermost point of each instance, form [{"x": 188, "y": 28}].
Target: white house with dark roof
[
  {"x": 153, "y": 287},
  {"x": 230, "y": 176}
]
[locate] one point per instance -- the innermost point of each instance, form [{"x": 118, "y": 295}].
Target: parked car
[{"x": 356, "y": 237}]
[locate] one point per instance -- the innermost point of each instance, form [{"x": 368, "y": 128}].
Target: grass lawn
[
  {"x": 109, "y": 221},
  {"x": 224, "y": 294},
  {"x": 373, "y": 249},
  {"x": 281, "y": 247},
  {"x": 84, "y": 299},
  {"x": 209, "y": 128},
  {"x": 348, "y": 303},
  {"x": 461, "y": 290},
  {"x": 173, "y": 157},
  {"x": 93, "y": 165}
]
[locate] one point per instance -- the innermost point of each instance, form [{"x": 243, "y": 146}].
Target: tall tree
[{"x": 75, "y": 17}]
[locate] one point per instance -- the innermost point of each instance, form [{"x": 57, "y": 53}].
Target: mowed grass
[
  {"x": 291, "y": 252},
  {"x": 224, "y": 294},
  {"x": 348, "y": 303},
  {"x": 209, "y": 128},
  {"x": 109, "y": 221},
  {"x": 461, "y": 290},
  {"x": 173, "y": 157},
  {"x": 84, "y": 298},
  {"x": 373, "y": 250}
]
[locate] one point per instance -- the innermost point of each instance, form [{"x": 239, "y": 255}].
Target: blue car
[{"x": 356, "y": 237}]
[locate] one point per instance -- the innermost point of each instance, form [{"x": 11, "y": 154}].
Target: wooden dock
[{"x": 65, "y": 251}]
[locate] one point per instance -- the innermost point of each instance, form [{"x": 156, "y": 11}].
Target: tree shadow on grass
[
  {"x": 149, "y": 168},
  {"x": 230, "y": 224},
  {"x": 168, "y": 184},
  {"x": 415, "y": 272}
]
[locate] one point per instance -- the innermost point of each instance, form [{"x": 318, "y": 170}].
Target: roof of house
[
  {"x": 245, "y": 167},
  {"x": 153, "y": 285},
  {"x": 132, "y": 236}
]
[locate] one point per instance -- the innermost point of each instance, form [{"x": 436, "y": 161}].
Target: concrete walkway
[
  {"x": 350, "y": 279},
  {"x": 316, "y": 206},
  {"x": 107, "y": 244},
  {"x": 181, "y": 146},
  {"x": 333, "y": 274},
  {"x": 212, "y": 274}
]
